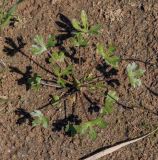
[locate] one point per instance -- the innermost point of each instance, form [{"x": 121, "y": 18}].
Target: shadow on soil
[
  {"x": 70, "y": 119},
  {"x": 65, "y": 27},
  {"x": 12, "y": 48},
  {"x": 108, "y": 73},
  {"x": 25, "y": 75},
  {"x": 24, "y": 116},
  {"x": 94, "y": 107}
]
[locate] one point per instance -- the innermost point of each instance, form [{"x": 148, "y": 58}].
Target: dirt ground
[{"x": 132, "y": 26}]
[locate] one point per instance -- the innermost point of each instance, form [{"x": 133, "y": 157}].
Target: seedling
[
  {"x": 75, "y": 88},
  {"x": 134, "y": 74},
  {"x": 6, "y": 16},
  {"x": 40, "y": 119}
]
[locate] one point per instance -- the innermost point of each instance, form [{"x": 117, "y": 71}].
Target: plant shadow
[
  {"x": 13, "y": 47},
  {"x": 25, "y": 75},
  {"x": 24, "y": 116},
  {"x": 108, "y": 74},
  {"x": 65, "y": 27},
  {"x": 94, "y": 107}
]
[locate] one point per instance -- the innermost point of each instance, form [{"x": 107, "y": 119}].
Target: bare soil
[{"x": 133, "y": 27}]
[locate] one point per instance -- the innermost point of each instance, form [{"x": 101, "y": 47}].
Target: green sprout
[
  {"x": 40, "y": 46},
  {"x": 88, "y": 127},
  {"x": 84, "y": 27},
  {"x": 7, "y": 16},
  {"x": 134, "y": 74},
  {"x": 40, "y": 119},
  {"x": 108, "y": 56},
  {"x": 110, "y": 99},
  {"x": 35, "y": 81}
]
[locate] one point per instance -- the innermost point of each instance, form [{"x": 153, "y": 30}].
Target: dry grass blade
[{"x": 117, "y": 147}]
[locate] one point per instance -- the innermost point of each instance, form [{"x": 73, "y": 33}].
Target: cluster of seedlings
[{"x": 64, "y": 76}]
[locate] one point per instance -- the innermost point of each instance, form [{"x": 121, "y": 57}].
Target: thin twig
[{"x": 43, "y": 82}]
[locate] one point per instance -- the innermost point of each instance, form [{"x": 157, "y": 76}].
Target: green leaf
[
  {"x": 87, "y": 127},
  {"x": 35, "y": 81},
  {"x": 76, "y": 25},
  {"x": 108, "y": 56},
  {"x": 79, "y": 41},
  {"x": 109, "y": 102},
  {"x": 92, "y": 134},
  {"x": 100, "y": 49},
  {"x": 57, "y": 56},
  {"x": 84, "y": 19},
  {"x": 51, "y": 41},
  {"x": 40, "y": 119},
  {"x": 57, "y": 70},
  {"x": 55, "y": 100},
  {"x": 67, "y": 71},
  {"x": 39, "y": 47},
  {"x": 95, "y": 29},
  {"x": 134, "y": 74},
  {"x": 61, "y": 82}
]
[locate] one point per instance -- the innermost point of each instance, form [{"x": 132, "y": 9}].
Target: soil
[{"x": 132, "y": 27}]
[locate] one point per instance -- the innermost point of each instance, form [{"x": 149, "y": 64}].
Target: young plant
[
  {"x": 109, "y": 101},
  {"x": 40, "y": 46},
  {"x": 108, "y": 56},
  {"x": 39, "y": 119},
  {"x": 83, "y": 26},
  {"x": 7, "y": 16},
  {"x": 76, "y": 88},
  {"x": 134, "y": 74}
]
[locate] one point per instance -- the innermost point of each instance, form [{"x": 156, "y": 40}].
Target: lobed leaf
[
  {"x": 88, "y": 127},
  {"x": 95, "y": 29},
  {"x": 134, "y": 74},
  {"x": 109, "y": 102},
  {"x": 52, "y": 42},
  {"x": 57, "y": 56},
  {"x": 108, "y": 56},
  {"x": 35, "y": 81},
  {"x": 39, "y": 47},
  {"x": 79, "y": 41},
  {"x": 40, "y": 119}
]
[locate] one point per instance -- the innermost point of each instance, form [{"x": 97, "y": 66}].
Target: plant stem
[{"x": 43, "y": 82}]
